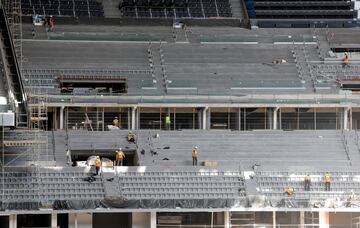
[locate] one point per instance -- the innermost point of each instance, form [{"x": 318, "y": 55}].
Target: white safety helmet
[
  {"x": 196, "y": 147},
  {"x": 120, "y": 149}
]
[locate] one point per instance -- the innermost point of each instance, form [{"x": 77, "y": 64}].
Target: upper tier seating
[
  {"x": 291, "y": 9},
  {"x": 72, "y": 8},
  {"x": 175, "y": 9}
]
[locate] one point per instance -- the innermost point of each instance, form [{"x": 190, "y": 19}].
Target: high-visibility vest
[
  {"x": 130, "y": 136},
  {"x": 307, "y": 178},
  {"x": 167, "y": 120},
  {"x": 116, "y": 122},
  {"x": 290, "y": 190},
  {"x": 327, "y": 178},
  {"x": 120, "y": 155},
  {"x": 97, "y": 163},
  {"x": 194, "y": 154},
  {"x": 346, "y": 60}
]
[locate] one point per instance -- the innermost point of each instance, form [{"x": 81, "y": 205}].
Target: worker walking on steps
[
  {"x": 119, "y": 157},
  {"x": 97, "y": 165},
  {"x": 194, "y": 155},
  {"x": 167, "y": 122},
  {"x": 307, "y": 182},
  {"x": 327, "y": 179},
  {"x": 116, "y": 122}
]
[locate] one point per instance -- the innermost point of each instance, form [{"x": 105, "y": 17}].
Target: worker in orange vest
[
  {"x": 327, "y": 179},
  {"x": 97, "y": 165},
  {"x": 119, "y": 157},
  {"x": 194, "y": 155},
  {"x": 289, "y": 191}
]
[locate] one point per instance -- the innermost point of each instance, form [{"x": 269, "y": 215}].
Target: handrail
[
  {"x": 345, "y": 144},
  {"x": 23, "y": 94}
]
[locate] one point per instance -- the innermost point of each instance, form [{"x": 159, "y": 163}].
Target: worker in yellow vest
[
  {"x": 289, "y": 191},
  {"x": 119, "y": 157},
  {"x": 194, "y": 155},
  {"x": 327, "y": 179},
  {"x": 130, "y": 137},
  {"x": 167, "y": 122},
  {"x": 116, "y": 122},
  {"x": 307, "y": 181},
  {"x": 97, "y": 165}
]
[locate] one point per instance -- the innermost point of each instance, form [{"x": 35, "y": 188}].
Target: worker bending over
[
  {"x": 130, "y": 137},
  {"x": 194, "y": 155},
  {"x": 119, "y": 157},
  {"x": 289, "y": 191}
]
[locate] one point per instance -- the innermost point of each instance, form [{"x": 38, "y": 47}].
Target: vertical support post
[
  {"x": 274, "y": 219},
  {"x": 275, "y": 118},
  {"x": 244, "y": 119},
  {"x": 346, "y": 118},
  {"x": 239, "y": 120},
  {"x": 226, "y": 219},
  {"x": 302, "y": 219},
  {"x": 323, "y": 219},
  {"x": 13, "y": 221},
  {"x": 298, "y": 119},
  {"x": 160, "y": 111},
  {"x": 204, "y": 118},
  {"x": 315, "y": 118},
  {"x": 103, "y": 118},
  {"x": 174, "y": 119},
  {"x": 153, "y": 219},
  {"x": 54, "y": 220},
  {"x": 350, "y": 119},
  {"x": 133, "y": 118},
  {"x": 62, "y": 117}
]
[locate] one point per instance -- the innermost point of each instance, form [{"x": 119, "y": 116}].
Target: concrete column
[
  {"x": 346, "y": 118},
  {"x": 153, "y": 219},
  {"x": 140, "y": 220},
  {"x": 274, "y": 219},
  {"x": 133, "y": 118},
  {"x": 54, "y": 220},
  {"x": 269, "y": 118},
  {"x": 204, "y": 118},
  {"x": 275, "y": 118},
  {"x": 227, "y": 219},
  {"x": 302, "y": 219},
  {"x": 12, "y": 221},
  {"x": 62, "y": 117},
  {"x": 323, "y": 219}
]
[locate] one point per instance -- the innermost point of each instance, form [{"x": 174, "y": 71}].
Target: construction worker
[
  {"x": 119, "y": 157},
  {"x": 351, "y": 199},
  {"x": 97, "y": 165},
  {"x": 130, "y": 137},
  {"x": 167, "y": 122},
  {"x": 327, "y": 179},
  {"x": 194, "y": 155},
  {"x": 289, "y": 191},
  {"x": 345, "y": 61},
  {"x": 116, "y": 122},
  {"x": 307, "y": 181}
]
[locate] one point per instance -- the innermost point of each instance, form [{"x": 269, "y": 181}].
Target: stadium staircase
[{"x": 11, "y": 71}]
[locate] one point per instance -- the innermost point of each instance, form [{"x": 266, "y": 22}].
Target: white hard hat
[
  {"x": 195, "y": 147},
  {"x": 120, "y": 148}
]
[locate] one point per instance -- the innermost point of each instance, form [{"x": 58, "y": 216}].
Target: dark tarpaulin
[
  {"x": 20, "y": 206},
  {"x": 149, "y": 203}
]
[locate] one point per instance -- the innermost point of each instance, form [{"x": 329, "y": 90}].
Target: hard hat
[
  {"x": 120, "y": 149},
  {"x": 196, "y": 147},
  {"x": 116, "y": 117}
]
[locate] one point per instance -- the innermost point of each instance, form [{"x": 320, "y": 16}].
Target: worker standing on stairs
[
  {"x": 194, "y": 155},
  {"x": 119, "y": 157},
  {"x": 97, "y": 165},
  {"x": 346, "y": 61},
  {"x": 327, "y": 179},
  {"x": 167, "y": 122},
  {"x": 289, "y": 191},
  {"x": 116, "y": 122},
  {"x": 307, "y": 182}
]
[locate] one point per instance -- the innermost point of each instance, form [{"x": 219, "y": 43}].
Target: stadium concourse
[{"x": 244, "y": 113}]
